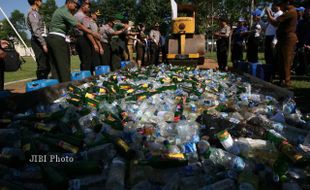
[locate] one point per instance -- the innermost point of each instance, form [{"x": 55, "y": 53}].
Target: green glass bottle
[
  {"x": 74, "y": 89},
  {"x": 59, "y": 143},
  {"x": 75, "y": 141},
  {"x": 52, "y": 177},
  {"x": 80, "y": 167},
  {"x": 274, "y": 137},
  {"x": 75, "y": 100},
  {"x": 121, "y": 146},
  {"x": 178, "y": 111},
  {"x": 165, "y": 161}
]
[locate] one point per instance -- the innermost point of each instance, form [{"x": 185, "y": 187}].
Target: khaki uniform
[
  {"x": 36, "y": 26},
  {"x": 106, "y": 35},
  {"x": 222, "y": 45},
  {"x": 59, "y": 52},
  {"x": 286, "y": 43},
  {"x": 155, "y": 36}
]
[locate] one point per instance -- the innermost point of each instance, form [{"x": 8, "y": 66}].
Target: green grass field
[{"x": 28, "y": 69}]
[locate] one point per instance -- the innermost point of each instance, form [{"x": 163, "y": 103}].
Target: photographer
[{"x": 3, "y": 44}]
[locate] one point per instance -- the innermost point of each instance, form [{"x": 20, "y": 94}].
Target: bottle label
[
  {"x": 122, "y": 144},
  {"x": 42, "y": 115},
  {"x": 43, "y": 127},
  {"x": 88, "y": 95},
  {"x": 141, "y": 97},
  {"x": 68, "y": 147},
  {"x": 289, "y": 151},
  {"x": 130, "y": 90},
  {"x": 26, "y": 147},
  {"x": 225, "y": 139},
  {"x": 102, "y": 90},
  {"x": 178, "y": 156}
]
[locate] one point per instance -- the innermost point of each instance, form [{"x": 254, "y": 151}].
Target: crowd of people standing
[
  {"x": 95, "y": 44},
  {"x": 285, "y": 36}
]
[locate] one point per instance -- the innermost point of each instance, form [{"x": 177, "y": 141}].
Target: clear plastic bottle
[
  {"x": 225, "y": 184},
  {"x": 116, "y": 177},
  {"x": 307, "y": 140},
  {"x": 77, "y": 184},
  {"x": 101, "y": 152},
  {"x": 289, "y": 106},
  {"x": 226, "y": 159}
]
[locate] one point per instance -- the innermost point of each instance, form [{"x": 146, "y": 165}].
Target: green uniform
[{"x": 59, "y": 52}]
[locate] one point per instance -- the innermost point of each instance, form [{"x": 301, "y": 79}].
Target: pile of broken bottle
[{"x": 172, "y": 127}]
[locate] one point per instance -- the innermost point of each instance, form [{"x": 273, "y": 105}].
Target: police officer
[
  {"x": 85, "y": 43},
  {"x": 155, "y": 44},
  {"x": 38, "y": 43},
  {"x": 222, "y": 44},
  {"x": 59, "y": 52},
  {"x": 237, "y": 42},
  {"x": 254, "y": 36},
  {"x": 90, "y": 22},
  {"x": 106, "y": 31}
]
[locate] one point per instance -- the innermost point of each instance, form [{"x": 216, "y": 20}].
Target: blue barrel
[
  {"x": 102, "y": 69},
  {"x": 253, "y": 68},
  {"x": 124, "y": 63},
  {"x": 242, "y": 66},
  {"x": 80, "y": 75},
  {"x": 264, "y": 72},
  {"x": 38, "y": 84}
]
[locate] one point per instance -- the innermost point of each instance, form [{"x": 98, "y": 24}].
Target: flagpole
[{"x": 21, "y": 39}]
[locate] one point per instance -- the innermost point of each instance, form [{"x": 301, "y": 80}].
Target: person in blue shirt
[{"x": 237, "y": 43}]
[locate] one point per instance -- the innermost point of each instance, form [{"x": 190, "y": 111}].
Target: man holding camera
[{"x": 3, "y": 44}]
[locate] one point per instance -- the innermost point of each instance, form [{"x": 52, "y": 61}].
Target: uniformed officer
[
  {"x": 287, "y": 39},
  {"x": 106, "y": 31},
  {"x": 85, "y": 43},
  {"x": 154, "y": 36},
  {"x": 38, "y": 43},
  {"x": 59, "y": 52},
  {"x": 222, "y": 43},
  {"x": 90, "y": 22}
]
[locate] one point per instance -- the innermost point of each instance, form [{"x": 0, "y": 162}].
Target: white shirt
[{"x": 271, "y": 30}]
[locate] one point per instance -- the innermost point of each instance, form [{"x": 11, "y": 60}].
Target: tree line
[{"x": 147, "y": 12}]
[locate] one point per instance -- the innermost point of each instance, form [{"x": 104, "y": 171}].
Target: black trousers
[
  {"x": 106, "y": 57},
  {"x": 84, "y": 50},
  {"x": 303, "y": 59},
  {"x": 269, "y": 50},
  {"x": 59, "y": 57},
  {"x": 1, "y": 75},
  {"x": 221, "y": 59},
  {"x": 43, "y": 66},
  {"x": 252, "y": 49},
  {"x": 237, "y": 53},
  {"x": 154, "y": 51},
  {"x": 95, "y": 59},
  {"x": 222, "y": 52}
]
